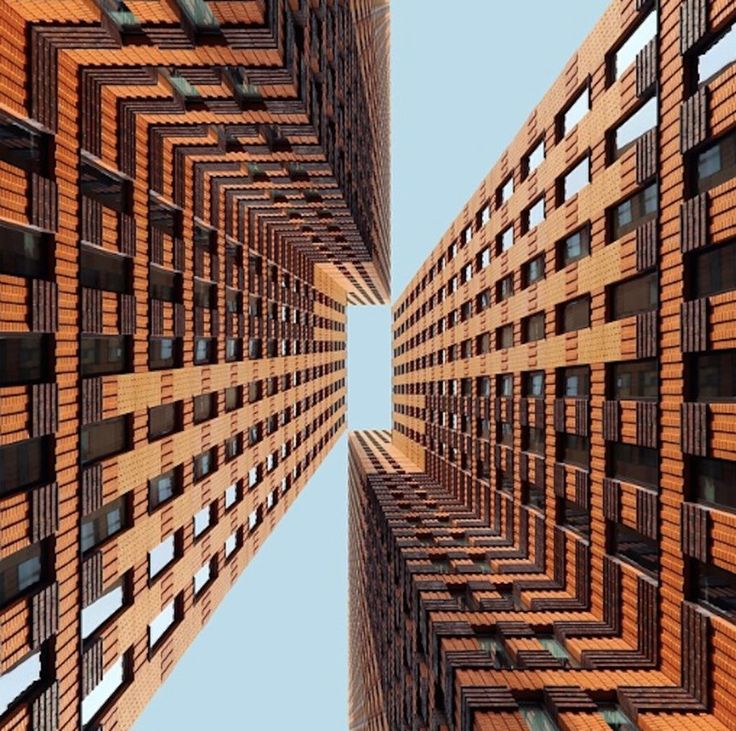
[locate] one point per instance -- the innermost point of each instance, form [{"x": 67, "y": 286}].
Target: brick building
[
  {"x": 546, "y": 539},
  {"x": 190, "y": 194}
]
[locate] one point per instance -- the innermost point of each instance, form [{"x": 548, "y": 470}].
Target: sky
[{"x": 465, "y": 77}]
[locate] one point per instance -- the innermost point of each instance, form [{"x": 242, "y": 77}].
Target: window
[
  {"x": 629, "y": 131},
  {"x": 713, "y": 270},
  {"x": 532, "y": 328},
  {"x": 505, "y": 434},
  {"x": 505, "y": 288},
  {"x": 22, "y": 146},
  {"x": 24, "y": 463},
  {"x": 574, "y": 180},
  {"x": 573, "y": 449},
  {"x": 718, "y": 56},
  {"x": 104, "y": 354},
  {"x": 163, "y": 420},
  {"x": 633, "y": 547},
  {"x": 535, "y": 214},
  {"x": 100, "y": 269},
  {"x": 574, "y": 112},
  {"x": 634, "y": 212},
  {"x": 715, "y": 588},
  {"x": 202, "y": 520},
  {"x": 535, "y": 158},
  {"x": 712, "y": 376},
  {"x": 484, "y": 216},
  {"x": 24, "y": 359},
  {"x": 483, "y": 259},
  {"x": 640, "y": 294},
  {"x": 714, "y": 481},
  {"x": 557, "y": 650},
  {"x": 164, "y": 353},
  {"x": 717, "y": 163},
  {"x": 616, "y": 719},
  {"x": 164, "y": 487},
  {"x": 532, "y": 271},
  {"x": 204, "y": 351},
  {"x": 164, "y": 284},
  {"x": 203, "y": 577},
  {"x": 104, "y": 523},
  {"x": 205, "y": 294},
  {"x": 163, "y": 217},
  {"x": 232, "y": 494},
  {"x": 505, "y": 385},
  {"x": 532, "y": 440},
  {"x": 505, "y": 337},
  {"x": 506, "y": 191},
  {"x": 532, "y": 384},
  {"x": 233, "y": 398},
  {"x": 162, "y": 623},
  {"x": 233, "y": 446},
  {"x": 102, "y": 609},
  {"x": 161, "y": 556},
  {"x": 483, "y": 386},
  {"x": 96, "y": 699},
  {"x": 574, "y": 247},
  {"x": 574, "y": 315},
  {"x": 204, "y": 464},
  {"x": 104, "y": 439},
  {"x": 634, "y": 379},
  {"x": 255, "y": 391},
  {"x": 18, "y": 680},
  {"x": 573, "y": 382},
  {"x": 102, "y": 186},
  {"x": 205, "y": 407},
  {"x": 628, "y": 51},
  {"x": 629, "y": 463},
  {"x": 23, "y": 253},
  {"x": 506, "y": 239},
  {"x": 19, "y": 572},
  {"x": 572, "y": 516}
]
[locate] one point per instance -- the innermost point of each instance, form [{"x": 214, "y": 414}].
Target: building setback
[
  {"x": 546, "y": 539},
  {"x": 190, "y": 194}
]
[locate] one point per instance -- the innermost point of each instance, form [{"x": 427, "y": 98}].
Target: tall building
[
  {"x": 546, "y": 538},
  {"x": 190, "y": 194}
]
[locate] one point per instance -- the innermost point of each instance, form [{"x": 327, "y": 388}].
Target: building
[
  {"x": 546, "y": 537},
  {"x": 190, "y": 194}
]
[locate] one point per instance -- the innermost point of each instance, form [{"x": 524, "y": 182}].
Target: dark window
[
  {"x": 205, "y": 407},
  {"x": 204, "y": 464},
  {"x": 712, "y": 376},
  {"x": 573, "y": 449},
  {"x": 572, "y": 516},
  {"x": 532, "y": 440},
  {"x": 505, "y": 385},
  {"x": 532, "y": 384},
  {"x": 505, "y": 337},
  {"x": 534, "y": 496},
  {"x": 164, "y": 420},
  {"x": 205, "y": 294},
  {"x": 573, "y": 382},
  {"x": 505, "y": 434},
  {"x": 23, "y": 253},
  {"x": 633, "y": 547},
  {"x": 104, "y": 523},
  {"x": 104, "y": 354},
  {"x": 574, "y": 315},
  {"x": 233, "y": 301},
  {"x": 634, "y": 212},
  {"x": 533, "y": 271},
  {"x": 100, "y": 269},
  {"x": 505, "y": 288},
  {"x": 630, "y": 463},
  {"x": 715, "y": 481},
  {"x": 640, "y": 294},
  {"x": 717, "y": 163},
  {"x": 23, "y": 464},
  {"x": 23, "y": 147},
  {"x": 255, "y": 391},
  {"x": 715, "y": 588},
  {"x": 634, "y": 379},
  {"x": 104, "y": 187},
  {"x": 205, "y": 351},
  {"x": 164, "y": 353},
  {"x": 164, "y": 487},
  {"x": 233, "y": 398},
  {"x": 233, "y": 446},
  {"x": 574, "y": 247},
  {"x": 483, "y": 386},
  {"x": 163, "y": 217},
  {"x": 164, "y": 284},
  {"x": 103, "y": 439},
  {"x": 23, "y": 359},
  {"x": 532, "y": 328},
  {"x": 19, "y": 572},
  {"x": 714, "y": 270}
]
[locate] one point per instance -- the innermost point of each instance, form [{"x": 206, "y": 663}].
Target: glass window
[
  {"x": 635, "y": 548},
  {"x": 506, "y": 191},
  {"x": 19, "y": 572},
  {"x": 231, "y": 544},
  {"x": 575, "y": 111},
  {"x": 505, "y": 288},
  {"x": 616, "y": 719},
  {"x": 505, "y": 337},
  {"x": 97, "y": 613},
  {"x": 164, "y": 285},
  {"x": 535, "y": 157},
  {"x": 204, "y": 351},
  {"x": 506, "y": 239},
  {"x": 573, "y": 449},
  {"x": 713, "y": 270},
  {"x": 233, "y": 398},
  {"x": 205, "y": 294},
  {"x": 628, "y": 51},
  {"x": 231, "y": 495},
  {"x": 717, "y": 163},
  {"x": 163, "y": 217},
  {"x": 22, "y": 146},
  {"x": 535, "y": 214},
  {"x": 104, "y": 439},
  {"x": 718, "y": 56},
  {"x": 202, "y": 578},
  {"x": 574, "y": 315},
  {"x": 533, "y": 440},
  {"x": 629, "y": 463},
  {"x": 712, "y": 376},
  {"x": 202, "y": 520},
  {"x": 23, "y": 464},
  {"x": 576, "y": 179},
  {"x": 23, "y": 253},
  {"x": 536, "y": 717},
  {"x": 715, "y": 588},
  {"x": 574, "y": 382},
  {"x": 634, "y": 212},
  {"x": 505, "y": 385},
  {"x": 505, "y": 434},
  {"x": 532, "y": 328},
  {"x": 533, "y": 270},
  {"x": 204, "y": 464},
  {"x": 104, "y": 354},
  {"x": 104, "y": 523},
  {"x": 23, "y": 359},
  {"x": 205, "y": 407},
  {"x": 19, "y": 679},
  {"x": 533, "y": 384},
  {"x": 161, "y": 556},
  {"x": 640, "y": 294},
  {"x": 161, "y": 624},
  {"x": 629, "y": 131},
  {"x": 715, "y": 481},
  {"x": 100, "y": 269},
  {"x": 163, "y": 487},
  {"x": 574, "y": 247},
  {"x": 164, "y": 353},
  {"x": 96, "y": 699},
  {"x": 102, "y": 186},
  {"x": 572, "y": 516},
  {"x": 163, "y": 420},
  {"x": 634, "y": 379}
]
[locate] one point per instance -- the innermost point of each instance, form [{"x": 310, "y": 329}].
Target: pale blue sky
[{"x": 465, "y": 76}]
